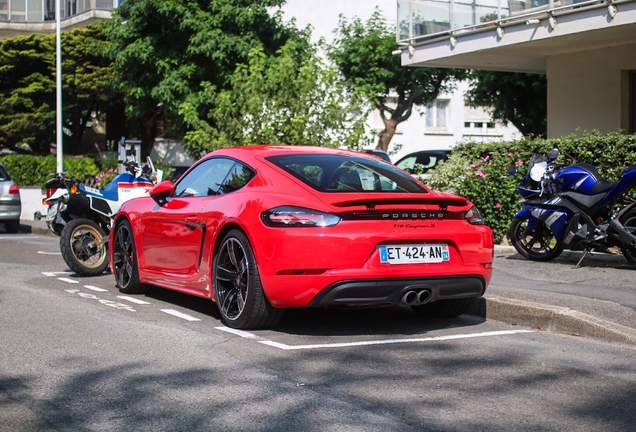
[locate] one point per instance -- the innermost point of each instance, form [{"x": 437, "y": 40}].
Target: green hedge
[
  {"x": 477, "y": 170},
  {"x": 27, "y": 170}
]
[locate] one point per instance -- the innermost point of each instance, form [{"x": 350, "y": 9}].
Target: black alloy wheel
[
  {"x": 237, "y": 286},
  {"x": 125, "y": 266},
  {"x": 540, "y": 244}
]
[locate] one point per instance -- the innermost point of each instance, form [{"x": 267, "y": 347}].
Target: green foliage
[
  {"x": 293, "y": 97},
  {"x": 363, "y": 54},
  {"x": 27, "y": 87},
  {"x": 27, "y": 92},
  {"x": 28, "y": 170},
  {"x": 477, "y": 170},
  {"x": 171, "y": 53},
  {"x": 518, "y": 98}
]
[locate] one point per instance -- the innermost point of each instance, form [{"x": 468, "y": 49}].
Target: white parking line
[
  {"x": 133, "y": 300},
  {"x": 94, "y": 288},
  {"x": 51, "y": 274},
  {"x": 391, "y": 341},
  {"x": 180, "y": 314},
  {"x": 240, "y": 333},
  {"x": 72, "y": 281}
]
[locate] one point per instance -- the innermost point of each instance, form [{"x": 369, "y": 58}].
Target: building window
[{"x": 437, "y": 115}]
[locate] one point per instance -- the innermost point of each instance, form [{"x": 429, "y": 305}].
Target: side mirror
[
  {"x": 162, "y": 191},
  {"x": 553, "y": 154}
]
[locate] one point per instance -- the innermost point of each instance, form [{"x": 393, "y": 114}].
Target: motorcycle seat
[{"x": 601, "y": 184}]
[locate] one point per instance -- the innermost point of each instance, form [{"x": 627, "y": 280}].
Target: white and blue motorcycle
[{"x": 82, "y": 216}]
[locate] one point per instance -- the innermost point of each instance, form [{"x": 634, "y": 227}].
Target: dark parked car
[
  {"x": 10, "y": 206},
  {"x": 379, "y": 153},
  {"x": 426, "y": 159}
]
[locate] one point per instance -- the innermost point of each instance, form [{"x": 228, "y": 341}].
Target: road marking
[
  {"x": 180, "y": 314},
  {"x": 133, "y": 300},
  {"x": 109, "y": 303},
  {"x": 51, "y": 252},
  {"x": 94, "y": 288},
  {"x": 391, "y": 341},
  {"x": 240, "y": 333},
  {"x": 52, "y": 274},
  {"x": 73, "y": 281}
]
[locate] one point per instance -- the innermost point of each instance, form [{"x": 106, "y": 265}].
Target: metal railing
[
  {"x": 421, "y": 19},
  {"x": 36, "y": 11}
]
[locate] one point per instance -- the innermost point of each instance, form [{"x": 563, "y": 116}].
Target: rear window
[
  {"x": 342, "y": 173},
  {"x": 4, "y": 175}
]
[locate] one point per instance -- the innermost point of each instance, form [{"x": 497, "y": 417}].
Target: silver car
[{"x": 10, "y": 206}]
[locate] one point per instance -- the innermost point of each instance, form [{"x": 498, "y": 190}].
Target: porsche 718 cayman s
[{"x": 263, "y": 228}]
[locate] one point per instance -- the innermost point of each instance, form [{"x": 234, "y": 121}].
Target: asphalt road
[{"x": 76, "y": 355}]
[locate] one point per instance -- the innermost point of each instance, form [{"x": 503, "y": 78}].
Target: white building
[
  {"x": 438, "y": 126},
  {"x": 584, "y": 47}
]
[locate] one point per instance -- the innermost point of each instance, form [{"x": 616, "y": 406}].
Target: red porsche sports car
[{"x": 263, "y": 228}]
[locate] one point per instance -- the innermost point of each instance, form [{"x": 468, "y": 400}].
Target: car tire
[
  {"x": 448, "y": 308},
  {"x": 82, "y": 247},
  {"x": 125, "y": 267},
  {"x": 12, "y": 226},
  {"x": 238, "y": 291}
]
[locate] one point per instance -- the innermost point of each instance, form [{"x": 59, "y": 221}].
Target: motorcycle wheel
[
  {"x": 82, "y": 247},
  {"x": 538, "y": 245},
  {"x": 629, "y": 222}
]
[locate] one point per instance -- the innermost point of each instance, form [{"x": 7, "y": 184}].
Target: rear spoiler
[{"x": 442, "y": 203}]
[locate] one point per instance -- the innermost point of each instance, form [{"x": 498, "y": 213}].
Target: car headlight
[
  {"x": 289, "y": 216},
  {"x": 473, "y": 216}
]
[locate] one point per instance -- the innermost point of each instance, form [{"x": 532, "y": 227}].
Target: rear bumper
[
  {"x": 391, "y": 291},
  {"x": 10, "y": 211}
]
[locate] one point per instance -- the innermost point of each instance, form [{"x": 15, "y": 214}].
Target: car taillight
[
  {"x": 289, "y": 216},
  {"x": 50, "y": 192},
  {"x": 473, "y": 216},
  {"x": 14, "y": 189}
]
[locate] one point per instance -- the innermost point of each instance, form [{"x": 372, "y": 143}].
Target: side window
[
  {"x": 205, "y": 179},
  {"x": 238, "y": 177}
]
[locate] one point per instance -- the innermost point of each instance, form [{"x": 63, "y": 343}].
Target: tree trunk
[{"x": 385, "y": 135}]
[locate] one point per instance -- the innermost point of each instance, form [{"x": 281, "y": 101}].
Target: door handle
[{"x": 193, "y": 223}]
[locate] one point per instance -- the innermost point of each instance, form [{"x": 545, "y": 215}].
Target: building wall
[
  {"x": 589, "y": 90},
  {"x": 412, "y": 135}
]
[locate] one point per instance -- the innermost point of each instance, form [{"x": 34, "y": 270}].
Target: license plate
[
  {"x": 414, "y": 254},
  {"x": 50, "y": 215}
]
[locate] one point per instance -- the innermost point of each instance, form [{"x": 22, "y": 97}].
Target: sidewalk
[{"x": 540, "y": 310}]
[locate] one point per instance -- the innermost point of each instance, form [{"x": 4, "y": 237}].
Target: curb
[
  {"x": 30, "y": 229},
  {"x": 553, "y": 319},
  {"x": 573, "y": 255}
]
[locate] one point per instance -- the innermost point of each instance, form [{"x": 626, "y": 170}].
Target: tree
[
  {"x": 293, "y": 97},
  {"x": 171, "y": 52},
  {"x": 27, "y": 93},
  {"x": 518, "y": 98},
  {"x": 27, "y": 86},
  {"x": 363, "y": 54}
]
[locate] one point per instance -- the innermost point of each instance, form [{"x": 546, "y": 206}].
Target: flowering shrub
[
  {"x": 105, "y": 176},
  {"x": 479, "y": 170}
]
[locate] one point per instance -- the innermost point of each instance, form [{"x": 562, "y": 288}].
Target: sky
[{"x": 323, "y": 15}]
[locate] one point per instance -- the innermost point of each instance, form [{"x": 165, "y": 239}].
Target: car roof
[{"x": 271, "y": 150}]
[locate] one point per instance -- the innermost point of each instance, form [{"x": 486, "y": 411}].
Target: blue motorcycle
[
  {"x": 82, "y": 216},
  {"x": 573, "y": 208}
]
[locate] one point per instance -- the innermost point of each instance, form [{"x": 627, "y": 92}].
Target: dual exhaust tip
[{"x": 414, "y": 298}]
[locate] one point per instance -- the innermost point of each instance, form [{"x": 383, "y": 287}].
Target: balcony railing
[
  {"x": 422, "y": 19},
  {"x": 37, "y": 11}
]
